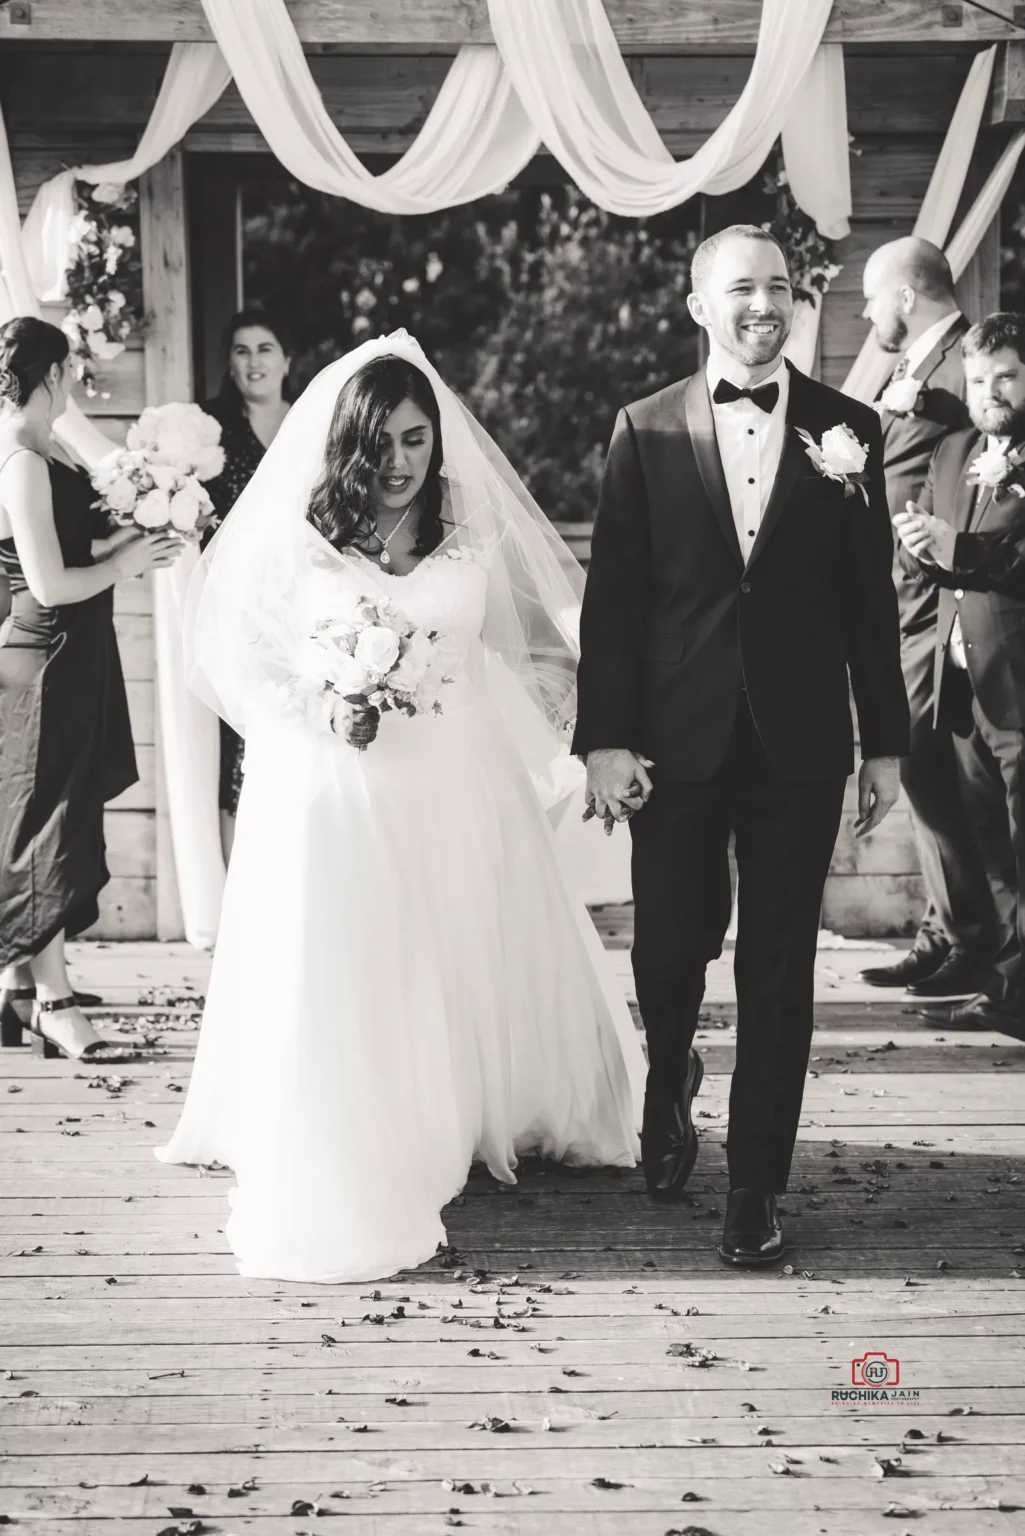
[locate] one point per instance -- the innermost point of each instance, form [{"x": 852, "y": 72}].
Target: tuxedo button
[
  {"x": 745, "y": 586},
  {"x": 959, "y": 592}
]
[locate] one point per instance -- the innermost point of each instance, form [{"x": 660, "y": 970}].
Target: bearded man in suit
[
  {"x": 909, "y": 298},
  {"x": 740, "y": 583},
  {"x": 966, "y": 536}
]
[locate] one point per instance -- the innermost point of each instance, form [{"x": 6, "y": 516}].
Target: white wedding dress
[{"x": 403, "y": 981}]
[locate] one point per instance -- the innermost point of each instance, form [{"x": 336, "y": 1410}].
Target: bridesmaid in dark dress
[
  {"x": 65, "y": 736},
  {"x": 251, "y": 405}
]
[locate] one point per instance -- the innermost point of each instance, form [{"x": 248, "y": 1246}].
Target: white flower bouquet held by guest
[{"x": 155, "y": 482}]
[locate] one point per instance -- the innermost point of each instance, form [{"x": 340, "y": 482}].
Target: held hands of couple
[
  {"x": 617, "y": 785},
  {"x": 929, "y": 539}
]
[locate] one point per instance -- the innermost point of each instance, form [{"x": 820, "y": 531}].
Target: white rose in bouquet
[
  {"x": 154, "y": 509},
  {"x": 164, "y": 477},
  {"x": 121, "y": 496},
  {"x": 180, "y": 434},
  {"x": 377, "y": 648},
  {"x": 415, "y": 664},
  {"x": 185, "y": 509},
  {"x": 92, "y": 317}
]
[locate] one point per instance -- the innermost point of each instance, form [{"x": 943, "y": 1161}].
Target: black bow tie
[{"x": 765, "y": 396}]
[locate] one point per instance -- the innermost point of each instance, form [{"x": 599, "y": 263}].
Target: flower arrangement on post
[
  {"x": 363, "y": 661},
  {"x": 104, "y": 277},
  {"x": 156, "y": 480},
  {"x": 809, "y": 254}
]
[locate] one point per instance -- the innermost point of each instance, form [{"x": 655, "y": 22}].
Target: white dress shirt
[
  {"x": 919, "y": 350},
  {"x": 750, "y": 447},
  {"x": 955, "y": 645}
]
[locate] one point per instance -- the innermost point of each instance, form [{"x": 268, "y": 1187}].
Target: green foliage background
[{"x": 543, "y": 313}]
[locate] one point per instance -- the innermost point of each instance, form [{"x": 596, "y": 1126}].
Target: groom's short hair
[
  {"x": 1004, "y": 329},
  {"x": 705, "y": 254}
]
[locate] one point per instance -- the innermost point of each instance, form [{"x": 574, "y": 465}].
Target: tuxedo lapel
[
  {"x": 925, "y": 369},
  {"x": 701, "y": 428},
  {"x": 792, "y": 461},
  {"x": 968, "y": 497}
]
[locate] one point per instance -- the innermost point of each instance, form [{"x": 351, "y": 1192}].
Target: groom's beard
[
  {"x": 1001, "y": 421},
  {"x": 754, "y": 350}
]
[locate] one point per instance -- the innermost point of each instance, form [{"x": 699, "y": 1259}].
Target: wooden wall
[{"x": 64, "y": 104}]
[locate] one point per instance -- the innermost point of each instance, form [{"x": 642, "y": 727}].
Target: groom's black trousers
[{"x": 784, "y": 838}]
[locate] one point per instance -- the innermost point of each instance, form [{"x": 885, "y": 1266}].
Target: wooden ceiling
[{"x": 641, "y": 26}]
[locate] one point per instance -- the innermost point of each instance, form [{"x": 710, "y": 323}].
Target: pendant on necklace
[{"x": 384, "y": 557}]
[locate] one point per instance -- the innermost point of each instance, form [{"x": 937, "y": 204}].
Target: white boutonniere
[
  {"x": 839, "y": 456},
  {"x": 900, "y": 397},
  {"x": 993, "y": 467}
]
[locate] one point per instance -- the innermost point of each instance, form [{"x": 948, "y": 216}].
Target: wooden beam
[
  {"x": 168, "y": 364},
  {"x": 441, "y": 26},
  {"x": 1007, "y": 103}
]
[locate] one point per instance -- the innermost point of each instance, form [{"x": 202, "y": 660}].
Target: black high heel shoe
[
  {"x": 43, "y": 1045},
  {"x": 12, "y": 1026}
]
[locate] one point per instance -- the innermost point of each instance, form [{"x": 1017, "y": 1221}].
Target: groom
[{"x": 734, "y": 588}]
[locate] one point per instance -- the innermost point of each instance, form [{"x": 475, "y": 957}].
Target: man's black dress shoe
[
  {"x": 669, "y": 1142},
  {"x": 752, "y": 1233},
  {"x": 959, "y": 976},
  {"x": 982, "y": 1012},
  {"x": 915, "y": 966}
]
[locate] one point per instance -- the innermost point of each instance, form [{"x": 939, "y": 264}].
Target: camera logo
[{"x": 874, "y": 1369}]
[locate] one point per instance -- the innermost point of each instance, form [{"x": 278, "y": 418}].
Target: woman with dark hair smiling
[
  {"x": 251, "y": 405},
  {"x": 433, "y": 993},
  {"x": 65, "y": 737}
]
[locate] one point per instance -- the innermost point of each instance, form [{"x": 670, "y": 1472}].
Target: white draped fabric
[
  {"x": 195, "y": 77},
  {"x": 873, "y": 366}
]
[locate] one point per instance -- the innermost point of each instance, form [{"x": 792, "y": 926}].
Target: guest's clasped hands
[{"x": 929, "y": 539}]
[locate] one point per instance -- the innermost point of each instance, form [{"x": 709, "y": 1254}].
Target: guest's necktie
[{"x": 764, "y": 396}]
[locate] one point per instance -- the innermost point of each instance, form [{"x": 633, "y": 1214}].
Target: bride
[{"x": 403, "y": 981}]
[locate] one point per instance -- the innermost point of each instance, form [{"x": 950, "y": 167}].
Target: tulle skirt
[{"x": 403, "y": 982}]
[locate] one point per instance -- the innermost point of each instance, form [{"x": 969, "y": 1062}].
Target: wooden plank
[
  {"x": 1007, "y": 99},
  {"x": 380, "y": 101},
  {"x": 168, "y": 372},
  {"x": 445, "y": 25}
]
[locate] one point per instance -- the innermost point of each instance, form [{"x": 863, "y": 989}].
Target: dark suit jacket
[
  {"x": 908, "y": 446},
  {"x": 673, "y": 624},
  {"x": 986, "y": 586}
]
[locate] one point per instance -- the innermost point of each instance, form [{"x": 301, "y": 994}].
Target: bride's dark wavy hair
[{"x": 341, "y": 508}]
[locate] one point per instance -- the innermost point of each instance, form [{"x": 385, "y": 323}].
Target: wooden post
[
  {"x": 168, "y": 355},
  {"x": 978, "y": 288}
]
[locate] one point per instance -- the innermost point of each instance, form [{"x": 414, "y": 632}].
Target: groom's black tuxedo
[
  {"x": 673, "y": 625},
  {"x": 735, "y": 681}
]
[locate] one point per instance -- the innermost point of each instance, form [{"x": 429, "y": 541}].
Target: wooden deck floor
[{"x": 579, "y": 1362}]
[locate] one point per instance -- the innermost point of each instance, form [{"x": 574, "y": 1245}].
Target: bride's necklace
[{"x": 383, "y": 555}]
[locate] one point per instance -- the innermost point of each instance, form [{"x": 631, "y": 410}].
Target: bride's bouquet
[
  {"x": 365, "y": 660},
  {"x": 155, "y": 481}
]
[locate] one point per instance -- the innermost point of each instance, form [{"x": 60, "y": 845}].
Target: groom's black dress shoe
[
  {"x": 960, "y": 975},
  {"x": 669, "y": 1142},
  {"x": 910, "y": 969},
  {"x": 752, "y": 1233},
  {"x": 982, "y": 1012}
]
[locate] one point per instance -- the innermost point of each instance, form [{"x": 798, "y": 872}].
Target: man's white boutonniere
[
  {"x": 900, "y": 397},
  {"x": 839, "y": 456},
  {"x": 994, "y": 466}
]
